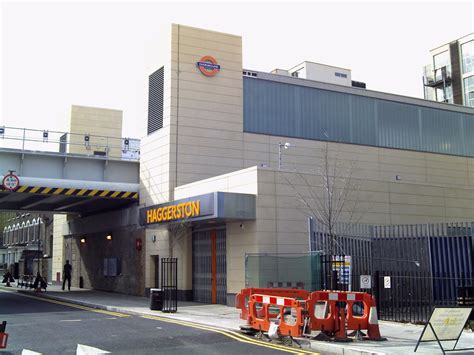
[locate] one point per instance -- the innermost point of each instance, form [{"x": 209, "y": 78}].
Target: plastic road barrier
[{"x": 264, "y": 309}]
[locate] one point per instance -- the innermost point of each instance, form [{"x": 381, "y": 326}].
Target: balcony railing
[{"x": 436, "y": 77}]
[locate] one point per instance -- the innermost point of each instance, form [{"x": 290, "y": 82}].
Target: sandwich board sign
[{"x": 445, "y": 324}]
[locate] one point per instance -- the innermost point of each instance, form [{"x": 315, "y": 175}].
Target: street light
[{"x": 285, "y": 146}]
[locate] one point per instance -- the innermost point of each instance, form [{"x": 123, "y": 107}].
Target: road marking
[
  {"x": 70, "y": 320},
  {"x": 233, "y": 335},
  {"x": 72, "y": 305}
]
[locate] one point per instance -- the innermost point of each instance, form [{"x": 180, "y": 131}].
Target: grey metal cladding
[
  {"x": 292, "y": 110},
  {"x": 156, "y": 82}
]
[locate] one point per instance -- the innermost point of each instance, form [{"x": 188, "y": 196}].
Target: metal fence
[
  {"x": 412, "y": 267},
  {"x": 66, "y": 142}
]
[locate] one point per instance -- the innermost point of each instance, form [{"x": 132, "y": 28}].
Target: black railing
[
  {"x": 169, "y": 284},
  {"x": 401, "y": 295}
]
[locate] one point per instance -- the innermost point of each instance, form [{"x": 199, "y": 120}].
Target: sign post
[
  {"x": 445, "y": 324},
  {"x": 387, "y": 282}
]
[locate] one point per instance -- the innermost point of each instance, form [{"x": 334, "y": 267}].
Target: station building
[
  {"x": 214, "y": 153},
  {"x": 230, "y": 157}
]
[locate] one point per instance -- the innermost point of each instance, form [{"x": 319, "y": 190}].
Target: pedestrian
[
  {"x": 67, "y": 275},
  {"x": 39, "y": 283},
  {"x": 7, "y": 278}
]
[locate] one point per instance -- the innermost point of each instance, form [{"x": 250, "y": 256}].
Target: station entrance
[{"x": 209, "y": 265}]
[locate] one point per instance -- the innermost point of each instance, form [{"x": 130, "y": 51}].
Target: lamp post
[{"x": 282, "y": 145}]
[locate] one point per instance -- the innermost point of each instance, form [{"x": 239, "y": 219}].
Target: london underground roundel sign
[
  {"x": 11, "y": 182},
  {"x": 208, "y": 65}
]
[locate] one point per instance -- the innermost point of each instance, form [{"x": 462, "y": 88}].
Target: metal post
[
  {"x": 279, "y": 155},
  {"x": 24, "y": 137}
]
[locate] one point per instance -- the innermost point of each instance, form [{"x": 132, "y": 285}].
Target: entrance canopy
[{"x": 215, "y": 206}]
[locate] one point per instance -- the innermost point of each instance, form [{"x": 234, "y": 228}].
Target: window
[
  {"x": 341, "y": 75},
  {"x": 469, "y": 91},
  {"x": 467, "y": 55}
]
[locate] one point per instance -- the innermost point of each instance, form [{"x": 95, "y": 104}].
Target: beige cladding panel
[
  {"x": 106, "y": 123},
  {"x": 217, "y": 101}
]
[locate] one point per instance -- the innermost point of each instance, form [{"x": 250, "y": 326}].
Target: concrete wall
[
  {"x": 122, "y": 246},
  {"x": 87, "y": 258}
]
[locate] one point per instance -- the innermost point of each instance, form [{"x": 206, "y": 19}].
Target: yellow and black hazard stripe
[{"x": 77, "y": 192}]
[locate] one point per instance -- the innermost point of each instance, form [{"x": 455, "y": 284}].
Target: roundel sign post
[
  {"x": 208, "y": 65},
  {"x": 11, "y": 182}
]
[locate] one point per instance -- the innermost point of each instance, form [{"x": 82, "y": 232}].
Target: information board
[{"x": 445, "y": 324}]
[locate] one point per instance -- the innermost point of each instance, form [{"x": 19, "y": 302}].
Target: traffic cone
[
  {"x": 341, "y": 333},
  {"x": 373, "y": 332}
]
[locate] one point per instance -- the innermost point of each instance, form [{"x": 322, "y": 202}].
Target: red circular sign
[
  {"x": 11, "y": 182},
  {"x": 208, "y": 66},
  {"x": 138, "y": 244}
]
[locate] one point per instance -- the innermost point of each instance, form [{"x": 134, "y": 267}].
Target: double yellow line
[
  {"x": 233, "y": 335},
  {"x": 72, "y": 305},
  {"x": 228, "y": 333}
]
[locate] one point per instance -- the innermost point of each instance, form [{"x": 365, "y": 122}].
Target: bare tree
[{"x": 332, "y": 198}]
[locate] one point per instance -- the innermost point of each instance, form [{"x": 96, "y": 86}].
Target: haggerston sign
[
  {"x": 183, "y": 210},
  {"x": 173, "y": 212}
]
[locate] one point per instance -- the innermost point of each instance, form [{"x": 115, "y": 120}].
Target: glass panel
[
  {"x": 283, "y": 271},
  {"x": 439, "y": 61},
  {"x": 467, "y": 55},
  {"x": 469, "y": 91}
]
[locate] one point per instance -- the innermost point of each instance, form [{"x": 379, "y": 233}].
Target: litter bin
[{"x": 156, "y": 299}]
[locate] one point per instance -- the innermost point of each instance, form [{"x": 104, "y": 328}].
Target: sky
[{"x": 57, "y": 54}]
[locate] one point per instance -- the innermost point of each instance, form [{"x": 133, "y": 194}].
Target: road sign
[
  {"x": 387, "y": 282},
  {"x": 11, "y": 182},
  {"x": 365, "y": 281}
]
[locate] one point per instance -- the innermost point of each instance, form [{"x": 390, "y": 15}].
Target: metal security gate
[
  {"x": 426, "y": 265},
  {"x": 209, "y": 266}
]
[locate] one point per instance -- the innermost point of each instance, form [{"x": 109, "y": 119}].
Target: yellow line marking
[
  {"x": 93, "y": 192},
  {"x": 135, "y": 195},
  {"x": 58, "y": 191},
  {"x": 115, "y": 194},
  {"x": 232, "y": 334},
  {"x": 80, "y": 193},
  {"x": 21, "y": 189},
  {"x": 104, "y": 193},
  {"x": 72, "y": 305},
  {"x": 34, "y": 189},
  {"x": 70, "y": 191},
  {"x": 125, "y": 195},
  {"x": 46, "y": 190}
]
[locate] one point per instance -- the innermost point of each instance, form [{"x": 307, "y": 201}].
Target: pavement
[{"x": 402, "y": 338}]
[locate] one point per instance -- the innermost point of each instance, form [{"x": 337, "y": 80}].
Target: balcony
[{"x": 438, "y": 77}]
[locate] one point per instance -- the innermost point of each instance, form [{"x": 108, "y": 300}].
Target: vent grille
[{"x": 156, "y": 83}]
